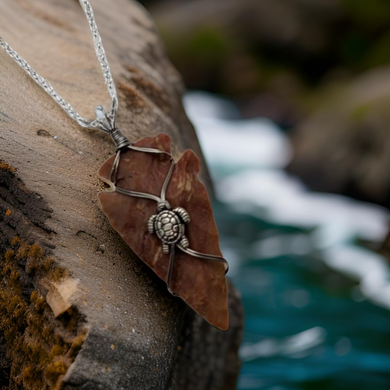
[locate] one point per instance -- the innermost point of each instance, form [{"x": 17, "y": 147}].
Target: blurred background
[{"x": 291, "y": 103}]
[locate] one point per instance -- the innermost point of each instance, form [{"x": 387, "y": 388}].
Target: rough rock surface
[
  {"x": 344, "y": 147},
  {"x": 77, "y": 308}
]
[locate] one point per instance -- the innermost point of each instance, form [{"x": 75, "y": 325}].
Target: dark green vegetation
[{"x": 280, "y": 50}]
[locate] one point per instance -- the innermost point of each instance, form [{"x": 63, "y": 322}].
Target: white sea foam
[
  {"x": 284, "y": 199},
  {"x": 364, "y": 266},
  {"x": 201, "y": 105},
  {"x": 298, "y": 345},
  {"x": 236, "y": 143}
]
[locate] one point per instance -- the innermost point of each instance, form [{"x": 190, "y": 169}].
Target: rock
[
  {"x": 59, "y": 295},
  {"x": 198, "y": 367},
  {"x": 77, "y": 308},
  {"x": 344, "y": 146}
]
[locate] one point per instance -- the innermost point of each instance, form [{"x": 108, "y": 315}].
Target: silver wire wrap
[
  {"x": 113, "y": 178},
  {"x": 47, "y": 87}
]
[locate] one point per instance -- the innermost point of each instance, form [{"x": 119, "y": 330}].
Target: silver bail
[{"x": 108, "y": 125}]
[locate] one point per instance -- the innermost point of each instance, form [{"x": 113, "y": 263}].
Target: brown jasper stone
[{"x": 200, "y": 283}]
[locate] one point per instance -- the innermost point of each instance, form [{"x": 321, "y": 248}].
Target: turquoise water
[
  {"x": 317, "y": 302},
  {"x": 285, "y": 295}
]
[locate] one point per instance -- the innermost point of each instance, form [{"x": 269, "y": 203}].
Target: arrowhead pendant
[{"x": 163, "y": 212}]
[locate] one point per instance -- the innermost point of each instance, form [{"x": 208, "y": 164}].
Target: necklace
[{"x": 145, "y": 171}]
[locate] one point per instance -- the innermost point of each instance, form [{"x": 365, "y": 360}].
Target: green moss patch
[{"x": 40, "y": 347}]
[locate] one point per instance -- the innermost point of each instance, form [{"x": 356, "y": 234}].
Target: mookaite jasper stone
[{"x": 200, "y": 283}]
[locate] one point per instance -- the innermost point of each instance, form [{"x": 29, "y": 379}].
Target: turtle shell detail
[{"x": 168, "y": 226}]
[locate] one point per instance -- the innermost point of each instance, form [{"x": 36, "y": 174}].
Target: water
[{"x": 316, "y": 301}]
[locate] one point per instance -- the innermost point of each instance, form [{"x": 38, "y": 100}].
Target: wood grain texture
[{"x": 134, "y": 327}]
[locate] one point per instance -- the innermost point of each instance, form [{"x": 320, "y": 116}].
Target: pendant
[{"x": 163, "y": 212}]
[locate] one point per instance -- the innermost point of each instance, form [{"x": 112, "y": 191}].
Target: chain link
[{"x": 47, "y": 87}]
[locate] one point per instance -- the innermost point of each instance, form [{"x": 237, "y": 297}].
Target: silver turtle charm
[{"x": 169, "y": 225}]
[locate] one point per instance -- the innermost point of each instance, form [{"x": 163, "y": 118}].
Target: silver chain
[{"x": 103, "y": 119}]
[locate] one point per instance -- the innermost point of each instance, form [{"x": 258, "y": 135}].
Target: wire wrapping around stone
[{"x": 167, "y": 224}]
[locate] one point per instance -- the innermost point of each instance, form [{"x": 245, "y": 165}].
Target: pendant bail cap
[{"x": 107, "y": 124}]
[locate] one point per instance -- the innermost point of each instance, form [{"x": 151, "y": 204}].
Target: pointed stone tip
[
  {"x": 191, "y": 160},
  {"x": 218, "y": 318},
  {"x": 163, "y": 137},
  {"x": 163, "y": 142},
  {"x": 223, "y": 323},
  {"x": 224, "y": 327}
]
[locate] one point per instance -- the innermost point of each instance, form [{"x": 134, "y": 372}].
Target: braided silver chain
[{"x": 102, "y": 58}]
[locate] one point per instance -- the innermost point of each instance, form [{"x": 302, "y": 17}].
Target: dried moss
[
  {"x": 6, "y": 167},
  {"x": 76, "y": 345},
  {"x": 28, "y": 373},
  {"x": 35, "y": 252},
  {"x": 47, "y": 263},
  {"x": 9, "y": 255},
  {"x": 55, "y": 351},
  {"x": 55, "y": 370},
  {"x": 15, "y": 241},
  {"x": 40, "y": 347},
  {"x": 57, "y": 274},
  {"x": 23, "y": 250}
]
